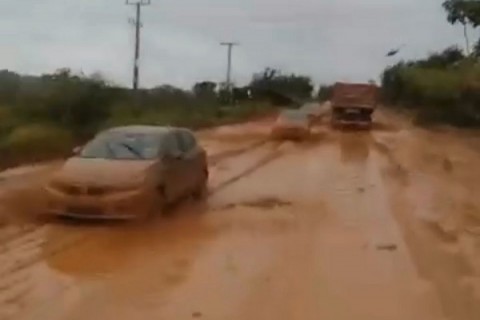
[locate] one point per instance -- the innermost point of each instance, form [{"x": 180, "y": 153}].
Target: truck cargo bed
[{"x": 354, "y": 95}]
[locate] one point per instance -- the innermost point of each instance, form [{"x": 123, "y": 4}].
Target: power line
[
  {"x": 230, "y": 46},
  {"x": 138, "y": 24}
]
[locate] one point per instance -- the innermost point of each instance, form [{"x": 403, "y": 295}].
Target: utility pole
[
  {"x": 467, "y": 39},
  {"x": 138, "y": 24},
  {"x": 230, "y": 46}
]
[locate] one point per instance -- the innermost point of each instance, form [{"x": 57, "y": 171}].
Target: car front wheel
[{"x": 156, "y": 203}]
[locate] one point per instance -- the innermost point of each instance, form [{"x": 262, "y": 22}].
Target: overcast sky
[{"x": 327, "y": 39}]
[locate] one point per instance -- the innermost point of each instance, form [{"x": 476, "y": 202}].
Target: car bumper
[{"x": 121, "y": 206}]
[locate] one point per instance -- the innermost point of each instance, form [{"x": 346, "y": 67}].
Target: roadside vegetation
[
  {"x": 44, "y": 117},
  {"x": 445, "y": 86}
]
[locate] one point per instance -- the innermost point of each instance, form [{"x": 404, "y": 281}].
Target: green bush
[
  {"x": 128, "y": 115},
  {"x": 184, "y": 116},
  {"x": 37, "y": 141},
  {"x": 8, "y": 121},
  {"x": 431, "y": 86},
  {"x": 325, "y": 93},
  {"x": 446, "y": 92}
]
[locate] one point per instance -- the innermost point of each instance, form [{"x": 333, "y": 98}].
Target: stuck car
[
  {"x": 314, "y": 111},
  {"x": 291, "y": 124},
  {"x": 128, "y": 172}
]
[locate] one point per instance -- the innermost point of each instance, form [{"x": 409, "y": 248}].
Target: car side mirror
[{"x": 77, "y": 150}]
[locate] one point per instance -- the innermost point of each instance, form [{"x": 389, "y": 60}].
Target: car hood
[{"x": 103, "y": 171}]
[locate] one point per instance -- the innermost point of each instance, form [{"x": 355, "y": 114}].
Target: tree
[
  {"x": 272, "y": 82},
  {"x": 448, "y": 57},
  {"x": 325, "y": 92},
  {"x": 168, "y": 96},
  {"x": 465, "y": 12},
  {"x": 241, "y": 93},
  {"x": 100, "y": 78},
  {"x": 80, "y": 103},
  {"x": 205, "y": 90},
  {"x": 9, "y": 86},
  {"x": 168, "y": 92}
]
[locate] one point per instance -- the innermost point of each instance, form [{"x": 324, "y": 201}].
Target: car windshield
[
  {"x": 124, "y": 146},
  {"x": 294, "y": 116}
]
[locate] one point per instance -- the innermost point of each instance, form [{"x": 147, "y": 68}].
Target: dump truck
[{"x": 353, "y": 104}]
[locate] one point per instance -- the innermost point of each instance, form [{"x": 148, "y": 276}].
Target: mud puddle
[{"x": 433, "y": 197}]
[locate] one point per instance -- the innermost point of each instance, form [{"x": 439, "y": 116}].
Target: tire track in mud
[
  {"x": 275, "y": 153},
  {"x": 215, "y": 159},
  {"x": 11, "y": 232},
  {"x": 248, "y": 171},
  {"x": 436, "y": 252},
  {"x": 18, "y": 278},
  {"x": 30, "y": 249}
]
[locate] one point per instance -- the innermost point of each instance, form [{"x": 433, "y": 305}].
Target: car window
[
  {"x": 293, "y": 116},
  {"x": 123, "y": 146}
]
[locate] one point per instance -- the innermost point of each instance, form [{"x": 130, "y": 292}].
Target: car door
[
  {"x": 187, "y": 146},
  {"x": 193, "y": 161},
  {"x": 172, "y": 163}
]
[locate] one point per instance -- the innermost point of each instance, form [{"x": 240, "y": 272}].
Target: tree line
[{"x": 444, "y": 87}]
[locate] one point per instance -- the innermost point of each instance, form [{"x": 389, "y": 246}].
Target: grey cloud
[{"x": 329, "y": 40}]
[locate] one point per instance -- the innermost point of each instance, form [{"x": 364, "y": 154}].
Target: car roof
[{"x": 141, "y": 129}]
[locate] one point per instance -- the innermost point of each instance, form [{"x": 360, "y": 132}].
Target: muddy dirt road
[{"x": 381, "y": 225}]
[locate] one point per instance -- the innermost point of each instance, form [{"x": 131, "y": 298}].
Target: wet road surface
[{"x": 351, "y": 225}]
